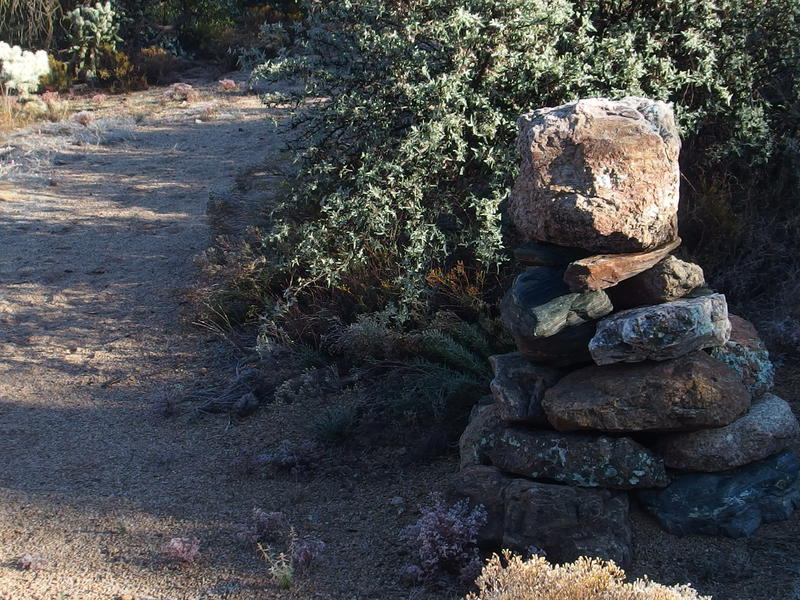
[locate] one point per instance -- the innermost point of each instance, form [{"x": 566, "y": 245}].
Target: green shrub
[
  {"x": 59, "y": 79},
  {"x": 157, "y": 64},
  {"x": 115, "y": 71},
  {"x": 407, "y": 150}
]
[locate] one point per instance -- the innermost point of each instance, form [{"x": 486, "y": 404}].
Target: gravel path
[{"x": 97, "y": 249}]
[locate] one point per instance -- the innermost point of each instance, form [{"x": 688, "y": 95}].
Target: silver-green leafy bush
[
  {"x": 91, "y": 28},
  {"x": 405, "y": 121}
]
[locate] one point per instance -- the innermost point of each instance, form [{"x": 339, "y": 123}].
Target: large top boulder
[{"x": 598, "y": 174}]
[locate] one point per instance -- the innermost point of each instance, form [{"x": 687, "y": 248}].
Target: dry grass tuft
[{"x": 512, "y": 578}]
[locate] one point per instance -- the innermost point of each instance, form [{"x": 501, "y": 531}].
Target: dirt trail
[
  {"x": 93, "y": 260},
  {"x": 96, "y": 251}
]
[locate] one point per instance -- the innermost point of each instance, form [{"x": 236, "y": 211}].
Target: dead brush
[{"x": 511, "y": 578}]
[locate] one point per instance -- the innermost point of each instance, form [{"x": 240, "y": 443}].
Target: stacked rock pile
[{"x": 630, "y": 376}]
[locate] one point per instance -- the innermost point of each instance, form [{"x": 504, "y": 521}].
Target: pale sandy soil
[
  {"x": 96, "y": 250},
  {"x": 97, "y": 242}
]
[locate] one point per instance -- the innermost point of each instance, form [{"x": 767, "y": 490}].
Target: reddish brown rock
[
  {"x": 607, "y": 270},
  {"x": 683, "y": 394},
  {"x": 598, "y": 174},
  {"x": 669, "y": 280},
  {"x": 769, "y": 427}
]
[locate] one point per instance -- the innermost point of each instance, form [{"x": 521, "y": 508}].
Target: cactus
[{"x": 90, "y": 29}]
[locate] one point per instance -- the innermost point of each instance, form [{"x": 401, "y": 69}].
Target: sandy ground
[
  {"x": 98, "y": 231},
  {"x": 97, "y": 249}
]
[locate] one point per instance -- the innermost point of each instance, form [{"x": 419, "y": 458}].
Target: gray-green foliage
[
  {"x": 90, "y": 29},
  {"x": 407, "y": 149}
]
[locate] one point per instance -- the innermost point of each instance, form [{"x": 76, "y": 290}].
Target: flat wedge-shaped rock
[
  {"x": 518, "y": 387},
  {"x": 577, "y": 459},
  {"x": 684, "y": 394},
  {"x": 669, "y": 280},
  {"x": 607, "y": 270},
  {"x": 769, "y": 427},
  {"x": 746, "y": 354},
  {"x": 733, "y": 503},
  {"x": 567, "y": 522},
  {"x": 663, "y": 331},
  {"x": 539, "y": 303},
  {"x": 598, "y": 174}
]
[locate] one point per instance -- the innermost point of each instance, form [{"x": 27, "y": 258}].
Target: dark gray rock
[
  {"x": 479, "y": 435},
  {"x": 734, "y": 503},
  {"x": 483, "y": 485},
  {"x": 569, "y": 347},
  {"x": 518, "y": 387},
  {"x": 547, "y": 255},
  {"x": 539, "y": 304},
  {"x": 662, "y": 331},
  {"x": 567, "y": 522},
  {"x": 576, "y": 459}
]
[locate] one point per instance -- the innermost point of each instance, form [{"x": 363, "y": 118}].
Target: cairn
[{"x": 631, "y": 381}]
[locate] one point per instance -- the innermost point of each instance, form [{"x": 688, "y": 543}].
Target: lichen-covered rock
[
  {"x": 669, "y": 280},
  {"x": 567, "y": 522},
  {"x": 746, "y": 354},
  {"x": 598, "y": 174},
  {"x": 768, "y": 427},
  {"x": 518, "y": 387},
  {"x": 663, "y": 331},
  {"x": 607, "y": 270},
  {"x": 577, "y": 459},
  {"x": 478, "y": 436},
  {"x": 539, "y": 303},
  {"x": 683, "y": 394},
  {"x": 732, "y": 503}
]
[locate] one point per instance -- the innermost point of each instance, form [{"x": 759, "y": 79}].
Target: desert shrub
[
  {"x": 444, "y": 539},
  {"x": 512, "y": 578},
  {"x": 115, "y": 71},
  {"x": 21, "y": 70},
  {"x": 407, "y": 150},
  {"x": 59, "y": 78},
  {"x": 183, "y": 550},
  {"x": 157, "y": 64},
  {"x": 336, "y": 424},
  {"x": 29, "y": 23}
]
